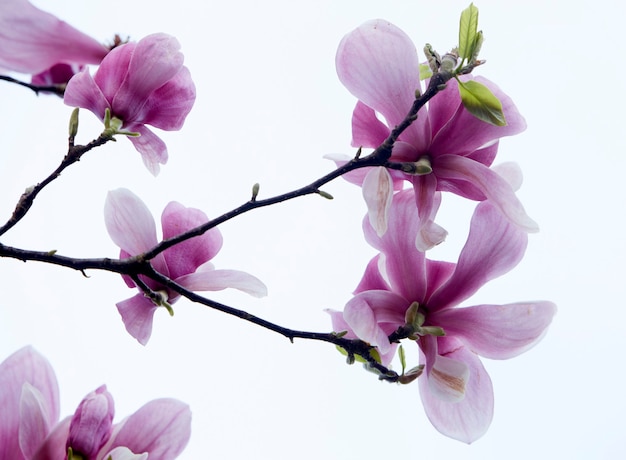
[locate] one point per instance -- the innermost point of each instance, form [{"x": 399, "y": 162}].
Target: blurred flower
[
  {"x": 378, "y": 64},
  {"x": 131, "y": 226},
  {"x": 29, "y": 427},
  {"x": 143, "y": 83},
  {"x": 401, "y": 288},
  {"x": 35, "y": 42}
]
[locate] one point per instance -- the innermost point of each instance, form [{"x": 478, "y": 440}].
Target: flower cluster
[
  {"x": 30, "y": 427},
  {"x": 403, "y": 292},
  {"x": 378, "y": 63},
  {"x": 132, "y": 228},
  {"x": 448, "y": 145}
]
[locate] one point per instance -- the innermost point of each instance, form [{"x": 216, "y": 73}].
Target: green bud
[
  {"x": 73, "y": 129},
  {"x": 255, "y": 191},
  {"x": 324, "y": 194}
]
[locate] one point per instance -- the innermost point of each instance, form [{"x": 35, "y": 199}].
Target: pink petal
[
  {"x": 122, "y": 453},
  {"x": 378, "y": 64},
  {"x": 152, "y": 149},
  {"x": 32, "y": 40},
  {"x": 367, "y": 130},
  {"x": 404, "y": 263},
  {"x": 186, "y": 257},
  {"x": 494, "y": 247},
  {"x": 161, "y": 428},
  {"x": 497, "y": 331},
  {"x": 427, "y": 199},
  {"x": 35, "y": 420},
  {"x": 495, "y": 188},
  {"x": 155, "y": 60},
  {"x": 447, "y": 379},
  {"x": 378, "y": 194},
  {"x": 82, "y": 91},
  {"x": 373, "y": 279},
  {"x": 137, "y": 314},
  {"x": 92, "y": 423},
  {"x": 168, "y": 106},
  {"x": 24, "y": 366},
  {"x": 216, "y": 280},
  {"x": 468, "y": 419},
  {"x": 373, "y": 315},
  {"x": 464, "y": 133},
  {"x": 113, "y": 71},
  {"x": 55, "y": 444},
  {"x": 129, "y": 222}
]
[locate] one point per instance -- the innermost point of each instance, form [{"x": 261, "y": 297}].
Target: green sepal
[
  {"x": 468, "y": 27},
  {"x": 481, "y": 102}
]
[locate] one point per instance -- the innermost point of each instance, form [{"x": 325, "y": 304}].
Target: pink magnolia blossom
[
  {"x": 378, "y": 64},
  {"x": 143, "y": 83},
  {"x": 35, "y": 42},
  {"x": 30, "y": 430},
  {"x": 132, "y": 228},
  {"x": 455, "y": 388}
]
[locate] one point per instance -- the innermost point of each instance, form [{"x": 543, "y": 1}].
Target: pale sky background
[{"x": 269, "y": 107}]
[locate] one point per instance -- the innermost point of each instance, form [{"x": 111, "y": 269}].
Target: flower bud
[{"x": 91, "y": 424}]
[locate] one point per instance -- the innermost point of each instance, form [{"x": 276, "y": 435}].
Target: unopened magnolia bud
[
  {"x": 73, "y": 128},
  {"x": 92, "y": 423}
]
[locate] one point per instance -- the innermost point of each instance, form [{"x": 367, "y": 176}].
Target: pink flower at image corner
[
  {"x": 143, "y": 83},
  {"x": 131, "y": 226},
  {"x": 30, "y": 428},
  {"x": 35, "y": 42},
  {"x": 379, "y": 65},
  {"x": 455, "y": 388}
]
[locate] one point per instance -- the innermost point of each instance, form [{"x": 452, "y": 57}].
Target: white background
[{"x": 269, "y": 106}]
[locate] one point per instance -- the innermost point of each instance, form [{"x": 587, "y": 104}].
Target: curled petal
[
  {"x": 152, "y": 149},
  {"x": 495, "y": 188},
  {"x": 447, "y": 379},
  {"x": 168, "y": 106},
  {"x": 373, "y": 315},
  {"x": 498, "y": 331},
  {"x": 216, "y": 280},
  {"x": 161, "y": 428},
  {"x": 494, "y": 247},
  {"x": 138, "y": 314},
  {"x": 186, "y": 257},
  {"x": 468, "y": 419},
  {"x": 378, "y": 193}
]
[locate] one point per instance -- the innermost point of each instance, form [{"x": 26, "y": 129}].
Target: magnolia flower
[
  {"x": 132, "y": 228},
  {"x": 379, "y": 65},
  {"x": 35, "y": 42},
  {"x": 143, "y": 83},
  {"x": 401, "y": 287},
  {"x": 30, "y": 430}
]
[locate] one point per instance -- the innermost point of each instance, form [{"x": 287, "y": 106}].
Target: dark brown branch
[
  {"x": 59, "y": 90},
  {"x": 74, "y": 154}
]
